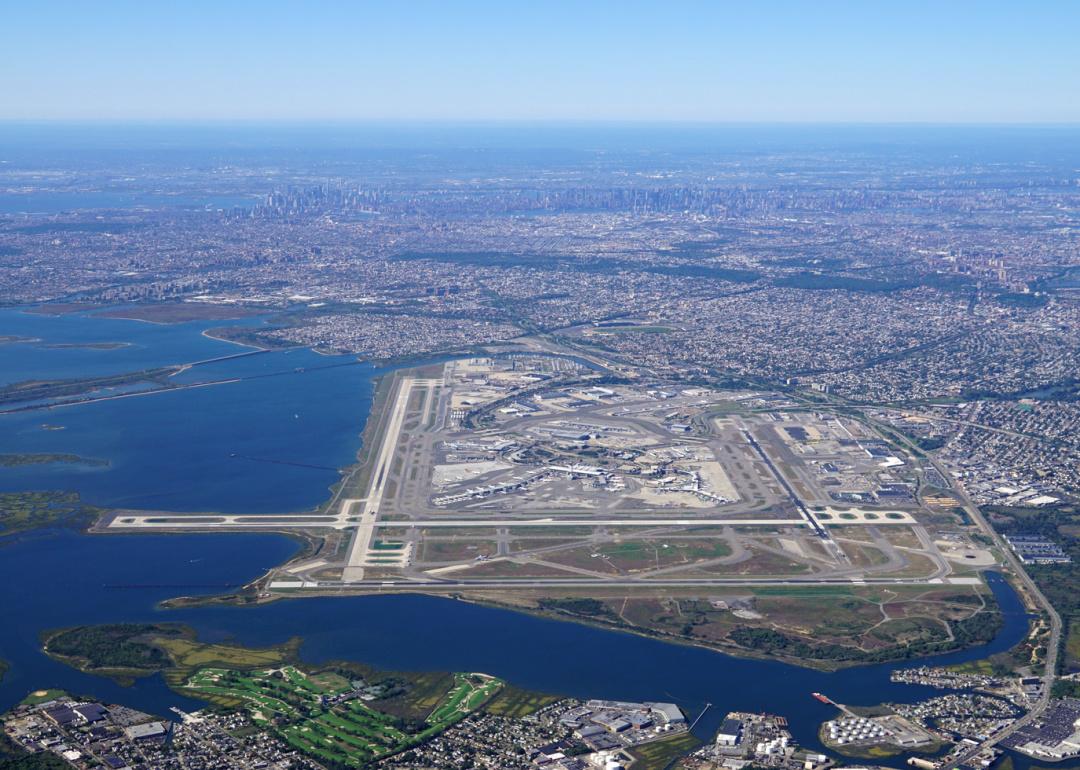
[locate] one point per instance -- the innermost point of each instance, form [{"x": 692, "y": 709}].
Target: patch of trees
[
  {"x": 930, "y": 443},
  {"x": 1021, "y": 300},
  {"x": 583, "y": 606},
  {"x": 40, "y": 761},
  {"x": 821, "y": 281},
  {"x": 120, "y": 645},
  {"x": 980, "y": 628},
  {"x": 1058, "y": 581}
]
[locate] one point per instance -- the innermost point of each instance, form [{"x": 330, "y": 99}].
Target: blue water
[
  {"x": 74, "y": 580},
  {"x": 188, "y": 450},
  {"x": 148, "y": 346},
  {"x": 218, "y": 448},
  {"x": 175, "y": 451},
  {"x": 55, "y": 579}
]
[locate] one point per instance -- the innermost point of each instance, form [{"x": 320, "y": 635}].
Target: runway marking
[
  {"x": 433, "y": 584},
  {"x": 365, "y": 528},
  {"x": 549, "y": 522},
  {"x": 349, "y": 522}
]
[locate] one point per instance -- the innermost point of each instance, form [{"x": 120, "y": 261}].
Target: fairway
[{"x": 322, "y": 715}]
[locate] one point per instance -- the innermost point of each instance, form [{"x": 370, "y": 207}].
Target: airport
[{"x": 535, "y": 469}]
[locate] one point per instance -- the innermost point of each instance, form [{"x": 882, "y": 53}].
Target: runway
[
  {"x": 530, "y": 583},
  {"x": 365, "y": 529},
  {"x": 347, "y": 520}
]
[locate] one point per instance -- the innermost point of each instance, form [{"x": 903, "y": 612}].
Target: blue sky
[{"x": 759, "y": 61}]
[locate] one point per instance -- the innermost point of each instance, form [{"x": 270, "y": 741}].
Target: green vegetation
[
  {"x": 1022, "y": 300},
  {"x": 42, "y": 696},
  {"x": 930, "y": 443},
  {"x": 823, "y": 627},
  {"x": 995, "y": 665},
  {"x": 1058, "y": 582},
  {"x": 584, "y": 606},
  {"x": 880, "y": 751},
  {"x": 37, "y": 390},
  {"x": 822, "y": 590},
  {"x": 321, "y": 715},
  {"x": 814, "y": 280},
  {"x": 977, "y": 629},
  {"x": 125, "y": 651},
  {"x": 660, "y": 755},
  {"x": 344, "y": 715},
  {"x": 41, "y": 761},
  {"x": 513, "y": 702},
  {"x": 21, "y": 511},
  {"x": 15, "y": 757},
  {"x": 17, "y": 460},
  {"x": 1066, "y": 688},
  {"x": 187, "y": 653},
  {"x": 821, "y": 281}
]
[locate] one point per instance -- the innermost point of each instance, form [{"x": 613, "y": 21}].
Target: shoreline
[
  {"x": 206, "y": 333},
  {"x": 735, "y": 652}
]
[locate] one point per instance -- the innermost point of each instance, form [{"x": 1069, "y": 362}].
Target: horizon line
[{"x": 523, "y": 122}]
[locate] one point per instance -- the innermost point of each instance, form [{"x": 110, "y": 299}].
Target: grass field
[
  {"x": 662, "y": 754},
  {"x": 42, "y": 696},
  {"x": 978, "y": 667},
  {"x": 515, "y": 703},
  {"x": 190, "y": 653}
]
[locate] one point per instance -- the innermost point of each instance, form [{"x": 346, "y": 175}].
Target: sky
[{"x": 865, "y": 61}]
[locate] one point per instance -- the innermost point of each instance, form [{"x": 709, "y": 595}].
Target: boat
[{"x": 820, "y": 697}]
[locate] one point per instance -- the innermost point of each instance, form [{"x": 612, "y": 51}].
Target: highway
[
  {"x": 1054, "y": 642},
  {"x": 1050, "y": 667}
]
